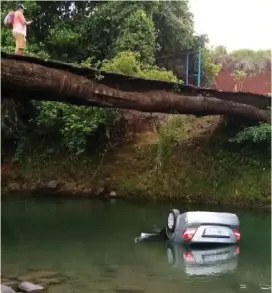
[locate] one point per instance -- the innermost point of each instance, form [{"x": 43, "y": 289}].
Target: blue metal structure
[
  {"x": 199, "y": 67},
  {"x": 188, "y": 73},
  {"x": 186, "y": 65}
]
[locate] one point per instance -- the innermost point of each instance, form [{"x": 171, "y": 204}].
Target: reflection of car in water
[
  {"x": 203, "y": 261},
  {"x": 198, "y": 260},
  {"x": 202, "y": 227}
]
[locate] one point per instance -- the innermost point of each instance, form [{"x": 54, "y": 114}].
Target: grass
[
  {"x": 196, "y": 176},
  {"x": 182, "y": 161}
]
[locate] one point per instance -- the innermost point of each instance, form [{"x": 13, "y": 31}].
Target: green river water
[{"x": 90, "y": 243}]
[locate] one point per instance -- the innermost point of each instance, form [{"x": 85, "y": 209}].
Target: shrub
[{"x": 254, "y": 135}]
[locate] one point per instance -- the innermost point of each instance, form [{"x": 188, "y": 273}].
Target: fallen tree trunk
[
  {"x": 142, "y": 85},
  {"x": 22, "y": 79}
]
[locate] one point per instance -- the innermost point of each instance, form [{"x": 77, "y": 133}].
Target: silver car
[{"x": 203, "y": 227}]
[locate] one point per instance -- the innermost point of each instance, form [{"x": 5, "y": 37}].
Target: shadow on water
[{"x": 92, "y": 242}]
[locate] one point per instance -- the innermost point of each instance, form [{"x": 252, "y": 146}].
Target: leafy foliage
[
  {"x": 129, "y": 63},
  {"x": 129, "y": 37},
  {"x": 64, "y": 30},
  {"x": 174, "y": 27},
  {"x": 74, "y": 124},
  {"x": 170, "y": 136},
  {"x": 108, "y": 27},
  {"x": 137, "y": 35},
  {"x": 248, "y": 61},
  {"x": 11, "y": 125},
  {"x": 255, "y": 134},
  {"x": 239, "y": 76},
  {"x": 118, "y": 36},
  {"x": 209, "y": 69},
  {"x": 63, "y": 38}
]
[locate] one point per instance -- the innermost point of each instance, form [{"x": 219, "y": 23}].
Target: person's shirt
[{"x": 19, "y": 25}]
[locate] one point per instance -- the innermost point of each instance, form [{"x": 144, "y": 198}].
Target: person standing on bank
[{"x": 19, "y": 24}]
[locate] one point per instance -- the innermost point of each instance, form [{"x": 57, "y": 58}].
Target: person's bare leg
[{"x": 20, "y": 52}]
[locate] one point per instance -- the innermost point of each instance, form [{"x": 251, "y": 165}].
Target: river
[{"x": 88, "y": 246}]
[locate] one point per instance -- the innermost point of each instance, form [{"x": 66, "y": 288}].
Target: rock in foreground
[
  {"x": 11, "y": 284},
  {"x": 6, "y": 289},
  {"x": 30, "y": 287}
]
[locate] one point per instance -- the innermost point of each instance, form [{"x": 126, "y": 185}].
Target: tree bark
[{"x": 22, "y": 79}]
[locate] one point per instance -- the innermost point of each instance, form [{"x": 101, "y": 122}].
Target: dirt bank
[{"x": 145, "y": 166}]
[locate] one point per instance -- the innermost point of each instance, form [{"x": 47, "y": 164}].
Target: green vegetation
[
  {"x": 129, "y": 63},
  {"x": 190, "y": 159},
  {"x": 196, "y": 158},
  {"x": 72, "y": 32},
  {"x": 72, "y": 127},
  {"x": 259, "y": 136},
  {"x": 248, "y": 61},
  {"x": 239, "y": 76}
]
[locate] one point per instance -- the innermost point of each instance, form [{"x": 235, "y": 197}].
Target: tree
[
  {"x": 79, "y": 31},
  {"x": 72, "y": 30},
  {"x": 174, "y": 28},
  {"x": 250, "y": 61},
  {"x": 239, "y": 77},
  {"x": 209, "y": 69},
  {"x": 137, "y": 35},
  {"x": 122, "y": 25},
  {"x": 71, "y": 126}
]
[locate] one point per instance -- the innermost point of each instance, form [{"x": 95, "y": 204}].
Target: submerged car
[{"x": 202, "y": 227}]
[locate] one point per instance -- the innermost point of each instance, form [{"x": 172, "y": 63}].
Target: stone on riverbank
[
  {"x": 6, "y": 289},
  {"x": 112, "y": 194},
  {"x": 43, "y": 277},
  {"x": 11, "y": 284},
  {"x": 112, "y": 269},
  {"x": 52, "y": 184},
  {"x": 30, "y": 287},
  {"x": 14, "y": 186}
]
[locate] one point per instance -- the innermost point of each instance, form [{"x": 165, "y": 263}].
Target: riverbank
[{"x": 192, "y": 170}]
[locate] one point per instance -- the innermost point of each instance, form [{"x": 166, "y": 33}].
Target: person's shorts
[{"x": 20, "y": 40}]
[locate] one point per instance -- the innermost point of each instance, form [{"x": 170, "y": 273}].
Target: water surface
[{"x": 92, "y": 243}]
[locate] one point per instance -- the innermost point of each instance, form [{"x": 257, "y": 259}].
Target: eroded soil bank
[{"x": 178, "y": 163}]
